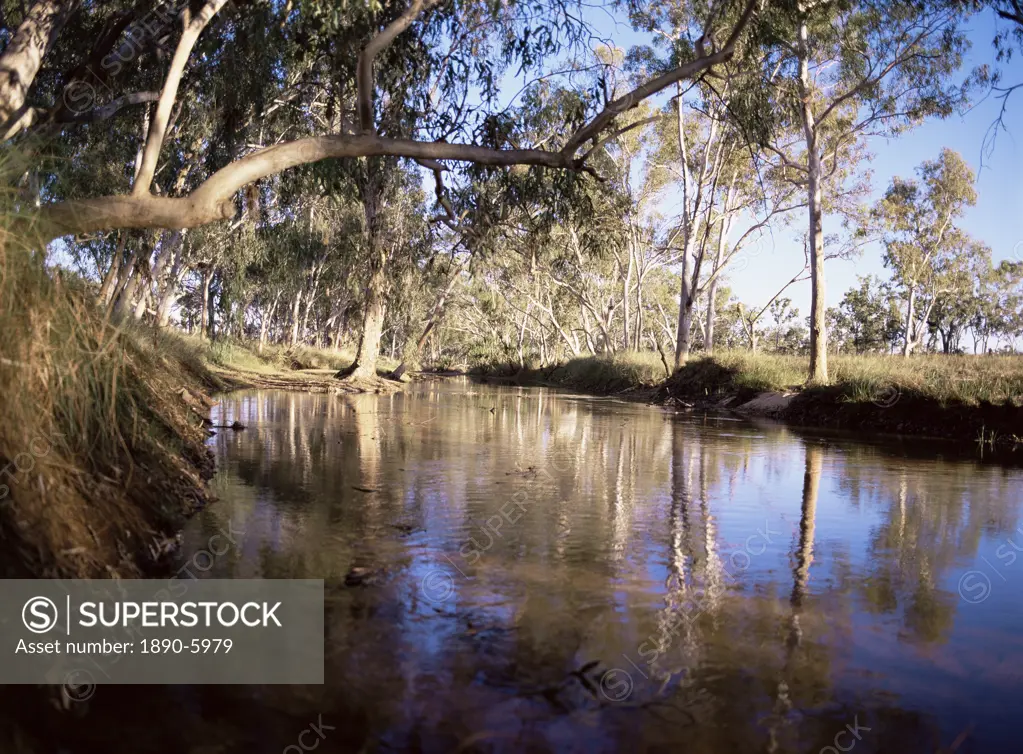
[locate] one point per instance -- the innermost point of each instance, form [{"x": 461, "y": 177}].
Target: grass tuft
[{"x": 101, "y": 438}]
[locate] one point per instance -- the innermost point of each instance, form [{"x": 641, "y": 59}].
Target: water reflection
[
  {"x": 547, "y": 572},
  {"x": 560, "y": 572}
]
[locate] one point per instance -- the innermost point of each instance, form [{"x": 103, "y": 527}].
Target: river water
[{"x": 518, "y": 569}]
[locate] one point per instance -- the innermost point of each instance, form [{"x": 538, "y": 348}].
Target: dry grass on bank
[
  {"x": 101, "y": 441},
  {"x": 959, "y": 379},
  {"x": 611, "y": 373},
  {"x": 969, "y": 380},
  {"x": 244, "y": 356},
  {"x": 602, "y": 374}
]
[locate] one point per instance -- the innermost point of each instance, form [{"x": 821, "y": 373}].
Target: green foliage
[
  {"x": 626, "y": 370},
  {"x": 605, "y": 374},
  {"x": 867, "y": 319},
  {"x": 524, "y": 265},
  {"x": 932, "y": 261}
]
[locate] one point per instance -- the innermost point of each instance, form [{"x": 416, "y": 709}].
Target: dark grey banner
[{"x": 204, "y": 631}]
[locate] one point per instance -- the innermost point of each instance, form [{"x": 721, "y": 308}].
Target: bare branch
[
  {"x": 620, "y": 131},
  {"x": 111, "y": 109},
  {"x": 438, "y": 169}
]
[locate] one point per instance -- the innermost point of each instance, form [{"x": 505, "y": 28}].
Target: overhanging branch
[{"x": 214, "y": 199}]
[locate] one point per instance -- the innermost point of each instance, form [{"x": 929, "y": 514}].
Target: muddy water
[{"x": 514, "y": 569}]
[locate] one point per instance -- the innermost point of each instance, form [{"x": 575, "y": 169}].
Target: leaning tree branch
[
  {"x": 213, "y": 200},
  {"x": 158, "y": 127}
]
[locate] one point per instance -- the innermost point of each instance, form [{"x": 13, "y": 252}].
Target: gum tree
[
  {"x": 927, "y": 254},
  {"x": 464, "y": 48},
  {"x": 373, "y": 84},
  {"x": 837, "y": 73}
]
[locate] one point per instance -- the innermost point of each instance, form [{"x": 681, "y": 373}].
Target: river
[{"x": 518, "y": 569}]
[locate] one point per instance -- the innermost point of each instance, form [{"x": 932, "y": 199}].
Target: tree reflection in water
[{"x": 642, "y": 548}]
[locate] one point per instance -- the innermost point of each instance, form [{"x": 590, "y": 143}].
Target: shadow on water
[{"x": 514, "y": 569}]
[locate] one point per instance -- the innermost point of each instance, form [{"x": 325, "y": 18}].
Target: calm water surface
[{"x": 538, "y": 571}]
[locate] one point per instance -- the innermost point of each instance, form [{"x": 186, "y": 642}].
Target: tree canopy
[{"x": 470, "y": 177}]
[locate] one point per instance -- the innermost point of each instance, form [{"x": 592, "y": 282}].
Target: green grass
[
  {"x": 753, "y": 372},
  {"x": 970, "y": 380},
  {"x": 308, "y": 357},
  {"x": 958, "y": 379},
  {"x": 102, "y": 422},
  {"x": 227, "y": 354},
  {"x": 245, "y": 356},
  {"x": 605, "y": 373},
  {"x": 304, "y": 357},
  {"x": 237, "y": 355}
]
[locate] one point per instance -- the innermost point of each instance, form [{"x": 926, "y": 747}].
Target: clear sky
[{"x": 997, "y": 218}]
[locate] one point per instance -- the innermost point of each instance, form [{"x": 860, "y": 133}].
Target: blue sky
[{"x": 997, "y": 218}]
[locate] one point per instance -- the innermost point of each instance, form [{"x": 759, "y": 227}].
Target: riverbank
[
  {"x": 103, "y": 425},
  {"x": 634, "y": 375},
  {"x": 240, "y": 365},
  {"x": 102, "y": 436},
  {"x": 961, "y": 398},
  {"x": 968, "y": 399}
]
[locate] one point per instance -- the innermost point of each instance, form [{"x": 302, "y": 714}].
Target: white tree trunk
[
  {"x": 910, "y": 337},
  {"x": 818, "y": 324}
]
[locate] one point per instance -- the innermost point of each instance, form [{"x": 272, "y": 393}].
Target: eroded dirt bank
[
  {"x": 102, "y": 443},
  {"x": 892, "y": 410},
  {"x": 882, "y": 407}
]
